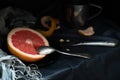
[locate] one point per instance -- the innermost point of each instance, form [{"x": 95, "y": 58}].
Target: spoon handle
[{"x": 83, "y": 55}]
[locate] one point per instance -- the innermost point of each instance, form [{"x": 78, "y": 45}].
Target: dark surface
[{"x": 105, "y": 61}]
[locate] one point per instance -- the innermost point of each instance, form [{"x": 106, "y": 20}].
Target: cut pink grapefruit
[{"x": 23, "y": 43}]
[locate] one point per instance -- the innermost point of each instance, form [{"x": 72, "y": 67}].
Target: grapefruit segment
[{"x": 23, "y": 43}]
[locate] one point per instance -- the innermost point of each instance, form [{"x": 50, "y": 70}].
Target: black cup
[{"x": 80, "y": 14}]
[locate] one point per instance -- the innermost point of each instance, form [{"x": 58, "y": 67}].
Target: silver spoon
[{"x": 49, "y": 50}]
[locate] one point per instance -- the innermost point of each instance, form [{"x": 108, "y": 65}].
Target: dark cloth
[{"x": 105, "y": 61}]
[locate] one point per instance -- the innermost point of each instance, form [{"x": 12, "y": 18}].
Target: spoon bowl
[{"x": 48, "y": 50}]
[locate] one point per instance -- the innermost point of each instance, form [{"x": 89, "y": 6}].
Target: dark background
[
  {"x": 111, "y": 10},
  {"x": 57, "y": 7}
]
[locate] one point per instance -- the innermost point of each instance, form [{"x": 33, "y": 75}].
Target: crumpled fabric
[
  {"x": 11, "y": 68},
  {"x": 14, "y": 17}
]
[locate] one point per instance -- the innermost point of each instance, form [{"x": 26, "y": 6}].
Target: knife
[{"x": 108, "y": 44}]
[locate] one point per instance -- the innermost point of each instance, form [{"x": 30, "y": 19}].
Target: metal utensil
[
  {"x": 108, "y": 44},
  {"x": 49, "y": 50}
]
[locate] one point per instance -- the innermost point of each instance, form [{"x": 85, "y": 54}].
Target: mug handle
[{"x": 95, "y": 15}]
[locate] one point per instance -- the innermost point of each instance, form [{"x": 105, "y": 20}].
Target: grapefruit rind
[{"x": 22, "y": 55}]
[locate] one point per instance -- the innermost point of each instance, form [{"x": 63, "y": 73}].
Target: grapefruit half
[{"x": 23, "y": 43}]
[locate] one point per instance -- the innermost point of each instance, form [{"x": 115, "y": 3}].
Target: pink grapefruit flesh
[{"x": 23, "y": 42}]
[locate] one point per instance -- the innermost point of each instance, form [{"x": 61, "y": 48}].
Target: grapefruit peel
[
  {"x": 52, "y": 28},
  {"x": 87, "y": 32}
]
